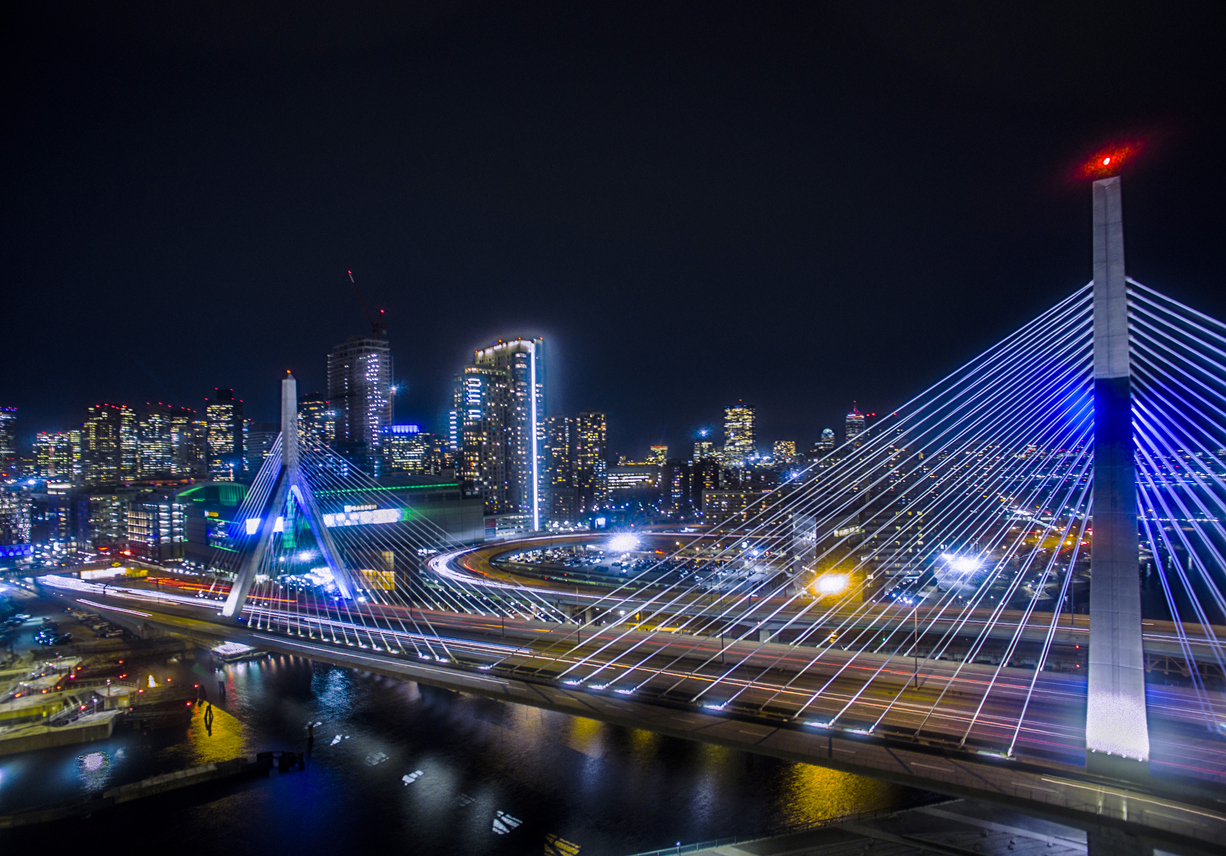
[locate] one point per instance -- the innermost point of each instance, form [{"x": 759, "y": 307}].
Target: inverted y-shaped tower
[
  {"x": 288, "y": 485},
  {"x": 1116, "y": 725}
]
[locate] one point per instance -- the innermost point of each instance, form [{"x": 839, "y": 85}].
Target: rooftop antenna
[{"x": 378, "y": 327}]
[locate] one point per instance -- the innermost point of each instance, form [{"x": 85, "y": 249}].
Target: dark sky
[{"x": 797, "y": 205}]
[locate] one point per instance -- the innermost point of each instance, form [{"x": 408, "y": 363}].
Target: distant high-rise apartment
[
  {"x": 703, "y": 449},
  {"x": 409, "y": 450},
  {"x": 854, "y": 425},
  {"x": 226, "y": 429},
  {"x": 109, "y": 444},
  {"x": 360, "y": 393},
  {"x": 522, "y": 362},
  {"x": 658, "y": 455},
  {"x": 739, "y": 438}
]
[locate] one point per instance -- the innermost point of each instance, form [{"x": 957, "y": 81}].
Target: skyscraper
[
  {"x": 8, "y": 438},
  {"x": 854, "y": 424},
  {"x": 739, "y": 439},
  {"x": 658, "y": 455},
  {"x": 826, "y": 444},
  {"x": 54, "y": 457},
  {"x": 166, "y": 441},
  {"x": 480, "y": 415},
  {"x": 109, "y": 443},
  {"x": 360, "y": 392},
  {"x": 561, "y": 498},
  {"x": 523, "y": 363},
  {"x": 591, "y": 461},
  {"x": 316, "y": 419},
  {"x": 783, "y": 452},
  {"x": 224, "y": 415},
  {"x": 703, "y": 449}
]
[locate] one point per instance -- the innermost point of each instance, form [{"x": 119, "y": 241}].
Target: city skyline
[{"x": 840, "y": 250}]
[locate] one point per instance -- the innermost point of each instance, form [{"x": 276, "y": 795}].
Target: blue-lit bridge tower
[{"x": 1116, "y": 726}]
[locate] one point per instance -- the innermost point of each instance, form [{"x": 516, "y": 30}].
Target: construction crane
[{"x": 378, "y": 327}]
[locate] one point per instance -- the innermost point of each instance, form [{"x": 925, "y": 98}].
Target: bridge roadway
[
  {"x": 475, "y": 567},
  {"x": 1181, "y": 806}
]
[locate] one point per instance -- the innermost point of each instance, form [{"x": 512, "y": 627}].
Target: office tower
[
  {"x": 163, "y": 432},
  {"x": 408, "y": 450},
  {"x": 156, "y": 527},
  {"x": 703, "y": 449},
  {"x": 258, "y": 442},
  {"x": 316, "y": 419},
  {"x": 561, "y": 500},
  {"x": 784, "y": 452},
  {"x": 826, "y": 444},
  {"x": 53, "y": 456},
  {"x": 360, "y": 392},
  {"x": 591, "y": 461},
  {"x": 854, "y": 425},
  {"x": 109, "y": 443},
  {"x": 482, "y": 403},
  {"x": 658, "y": 455},
  {"x": 8, "y": 438},
  {"x": 523, "y": 362},
  {"x": 739, "y": 439},
  {"x": 226, "y": 432}
]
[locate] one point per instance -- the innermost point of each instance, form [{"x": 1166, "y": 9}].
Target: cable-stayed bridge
[{"x": 903, "y": 607}]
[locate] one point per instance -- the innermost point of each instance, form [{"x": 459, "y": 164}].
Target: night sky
[{"x": 796, "y": 205}]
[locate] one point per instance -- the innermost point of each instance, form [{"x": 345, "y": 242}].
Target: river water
[{"x": 493, "y": 778}]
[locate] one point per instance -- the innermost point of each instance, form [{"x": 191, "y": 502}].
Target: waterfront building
[
  {"x": 226, "y": 429},
  {"x": 359, "y": 392},
  {"x": 109, "y": 444},
  {"x": 739, "y": 435}
]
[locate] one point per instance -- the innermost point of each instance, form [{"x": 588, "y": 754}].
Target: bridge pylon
[
  {"x": 283, "y": 467},
  {"x": 1117, "y": 732}
]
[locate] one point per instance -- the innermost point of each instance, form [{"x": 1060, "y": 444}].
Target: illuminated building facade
[
  {"x": 784, "y": 452},
  {"x": 8, "y": 438},
  {"x": 523, "y": 363},
  {"x": 258, "y": 440},
  {"x": 156, "y": 528},
  {"x": 109, "y": 445},
  {"x": 169, "y": 445},
  {"x": 854, "y": 426},
  {"x": 825, "y": 445},
  {"x": 316, "y": 419},
  {"x": 360, "y": 393},
  {"x": 658, "y": 455},
  {"x": 561, "y": 495},
  {"x": 226, "y": 455},
  {"x": 57, "y": 456},
  {"x": 740, "y": 439},
  {"x": 407, "y": 450},
  {"x": 14, "y": 526},
  {"x": 591, "y": 460},
  {"x": 703, "y": 449},
  {"x": 480, "y": 414}
]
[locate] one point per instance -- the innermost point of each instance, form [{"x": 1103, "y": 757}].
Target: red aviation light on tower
[{"x": 1110, "y": 160}]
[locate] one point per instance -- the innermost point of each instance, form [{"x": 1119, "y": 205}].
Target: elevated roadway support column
[{"x": 1117, "y": 733}]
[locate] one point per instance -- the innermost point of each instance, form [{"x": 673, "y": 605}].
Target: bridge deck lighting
[{"x": 624, "y": 692}]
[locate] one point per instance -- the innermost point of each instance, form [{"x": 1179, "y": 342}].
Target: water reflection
[{"x": 465, "y": 759}]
